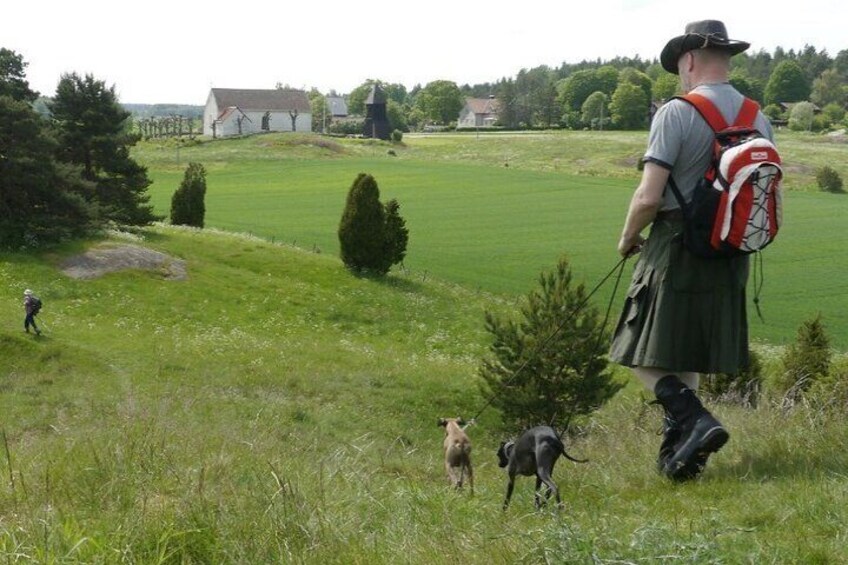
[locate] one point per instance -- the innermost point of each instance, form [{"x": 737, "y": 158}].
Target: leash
[{"x": 618, "y": 267}]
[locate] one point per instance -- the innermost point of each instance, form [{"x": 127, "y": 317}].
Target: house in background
[
  {"x": 231, "y": 111},
  {"x": 478, "y": 113},
  {"x": 337, "y": 106}
]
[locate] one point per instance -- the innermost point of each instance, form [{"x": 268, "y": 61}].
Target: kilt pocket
[{"x": 636, "y": 296}]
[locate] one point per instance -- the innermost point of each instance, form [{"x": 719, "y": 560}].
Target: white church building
[{"x": 231, "y": 111}]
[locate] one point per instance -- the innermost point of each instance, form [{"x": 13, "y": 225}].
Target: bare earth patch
[{"x": 98, "y": 261}]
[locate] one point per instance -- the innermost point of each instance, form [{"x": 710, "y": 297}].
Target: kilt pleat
[{"x": 683, "y": 312}]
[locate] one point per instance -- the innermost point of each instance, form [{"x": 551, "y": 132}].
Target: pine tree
[
  {"x": 807, "y": 359},
  {"x": 549, "y": 366},
  {"x": 93, "y": 133},
  {"x": 13, "y": 81},
  {"x": 41, "y": 202},
  {"x": 188, "y": 207}
]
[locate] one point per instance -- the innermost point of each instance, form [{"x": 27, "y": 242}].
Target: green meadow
[
  {"x": 273, "y": 408},
  {"x": 474, "y": 220}
]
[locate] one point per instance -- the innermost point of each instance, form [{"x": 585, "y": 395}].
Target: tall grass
[{"x": 273, "y": 408}]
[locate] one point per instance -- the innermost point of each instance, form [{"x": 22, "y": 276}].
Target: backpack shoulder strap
[
  {"x": 747, "y": 114},
  {"x": 745, "y": 118},
  {"x": 707, "y": 109}
]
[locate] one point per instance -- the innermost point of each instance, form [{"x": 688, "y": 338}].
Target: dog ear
[{"x": 442, "y": 422}]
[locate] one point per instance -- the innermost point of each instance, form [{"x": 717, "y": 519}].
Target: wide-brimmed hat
[{"x": 699, "y": 35}]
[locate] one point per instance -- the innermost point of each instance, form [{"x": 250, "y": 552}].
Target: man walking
[
  {"x": 684, "y": 315},
  {"x": 31, "y": 306}
]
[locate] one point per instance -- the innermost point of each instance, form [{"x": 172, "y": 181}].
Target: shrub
[
  {"x": 805, "y": 361},
  {"x": 835, "y": 113},
  {"x": 347, "y": 126},
  {"x": 773, "y": 112},
  {"x": 397, "y": 234},
  {"x": 832, "y": 391},
  {"x": 397, "y": 136},
  {"x": 188, "y": 207},
  {"x": 742, "y": 387},
  {"x": 801, "y": 117},
  {"x": 829, "y": 180},
  {"x": 372, "y": 237},
  {"x": 550, "y": 366}
]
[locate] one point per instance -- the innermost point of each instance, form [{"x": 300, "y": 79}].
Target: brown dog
[{"x": 457, "y": 453}]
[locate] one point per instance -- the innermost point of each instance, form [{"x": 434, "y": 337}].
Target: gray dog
[{"x": 535, "y": 453}]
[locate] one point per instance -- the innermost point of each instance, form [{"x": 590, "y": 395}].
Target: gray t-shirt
[{"x": 682, "y": 142}]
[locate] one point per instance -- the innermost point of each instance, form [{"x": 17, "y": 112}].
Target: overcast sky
[{"x": 174, "y": 51}]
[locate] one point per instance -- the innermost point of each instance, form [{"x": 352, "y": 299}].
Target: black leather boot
[
  {"x": 671, "y": 439},
  {"x": 701, "y": 434}
]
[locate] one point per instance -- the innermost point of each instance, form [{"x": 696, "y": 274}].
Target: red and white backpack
[{"x": 737, "y": 208}]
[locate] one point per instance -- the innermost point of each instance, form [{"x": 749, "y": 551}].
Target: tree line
[
  {"x": 71, "y": 174},
  {"x": 618, "y": 93}
]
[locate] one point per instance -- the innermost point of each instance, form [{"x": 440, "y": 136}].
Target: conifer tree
[
  {"x": 550, "y": 365},
  {"x": 188, "y": 206},
  {"x": 13, "y": 81},
  {"x": 93, "y": 133},
  {"x": 807, "y": 359},
  {"x": 397, "y": 234},
  {"x": 41, "y": 202},
  {"x": 362, "y": 228},
  {"x": 372, "y": 237}
]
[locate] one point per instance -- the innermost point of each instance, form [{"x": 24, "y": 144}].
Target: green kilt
[{"x": 683, "y": 312}]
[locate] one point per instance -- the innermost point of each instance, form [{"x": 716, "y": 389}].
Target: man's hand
[{"x": 629, "y": 246}]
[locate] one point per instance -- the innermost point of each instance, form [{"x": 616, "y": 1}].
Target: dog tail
[
  {"x": 567, "y": 456},
  {"x": 562, "y": 446}
]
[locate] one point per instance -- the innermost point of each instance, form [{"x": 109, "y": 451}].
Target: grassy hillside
[
  {"x": 272, "y": 408},
  {"x": 484, "y": 225}
]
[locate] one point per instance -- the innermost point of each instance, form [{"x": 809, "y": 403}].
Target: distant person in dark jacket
[{"x": 31, "y": 307}]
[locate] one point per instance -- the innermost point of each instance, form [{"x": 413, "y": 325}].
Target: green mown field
[
  {"x": 273, "y": 408},
  {"x": 478, "y": 223}
]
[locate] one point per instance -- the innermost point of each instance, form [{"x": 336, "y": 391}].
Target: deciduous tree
[
  {"x": 322, "y": 116},
  {"x": 801, "y": 116},
  {"x": 629, "y": 106},
  {"x": 787, "y": 84},
  {"x": 637, "y": 78},
  {"x": 666, "y": 86},
  {"x": 747, "y": 86},
  {"x": 440, "y": 101},
  {"x": 828, "y": 88},
  {"x": 594, "y": 111}
]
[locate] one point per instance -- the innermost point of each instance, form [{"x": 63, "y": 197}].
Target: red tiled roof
[{"x": 482, "y": 105}]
